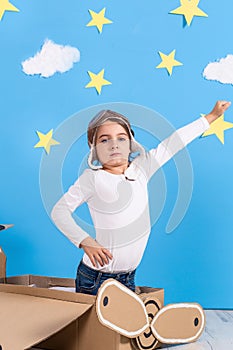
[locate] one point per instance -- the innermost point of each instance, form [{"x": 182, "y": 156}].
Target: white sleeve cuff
[{"x": 205, "y": 122}]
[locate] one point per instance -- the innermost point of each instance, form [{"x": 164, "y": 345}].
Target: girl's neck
[{"x": 118, "y": 170}]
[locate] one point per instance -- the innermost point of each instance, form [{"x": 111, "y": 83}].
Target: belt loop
[{"x": 99, "y": 275}]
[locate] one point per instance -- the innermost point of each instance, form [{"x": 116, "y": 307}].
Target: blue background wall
[{"x": 193, "y": 263}]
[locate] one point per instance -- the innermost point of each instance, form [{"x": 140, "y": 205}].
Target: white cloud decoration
[
  {"x": 221, "y": 70},
  {"x": 50, "y": 59}
]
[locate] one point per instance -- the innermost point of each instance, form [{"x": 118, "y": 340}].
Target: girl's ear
[{"x": 93, "y": 160}]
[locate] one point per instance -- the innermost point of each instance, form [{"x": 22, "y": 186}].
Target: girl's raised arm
[{"x": 158, "y": 156}]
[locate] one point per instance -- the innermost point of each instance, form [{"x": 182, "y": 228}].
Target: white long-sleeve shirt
[{"x": 118, "y": 204}]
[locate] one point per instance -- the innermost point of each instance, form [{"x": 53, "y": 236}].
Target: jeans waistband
[{"x": 94, "y": 273}]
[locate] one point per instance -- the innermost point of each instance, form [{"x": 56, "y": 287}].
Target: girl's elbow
[{"x": 54, "y": 213}]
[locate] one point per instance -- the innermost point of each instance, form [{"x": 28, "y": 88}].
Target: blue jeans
[{"x": 89, "y": 280}]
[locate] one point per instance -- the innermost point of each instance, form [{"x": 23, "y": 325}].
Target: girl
[{"x": 115, "y": 189}]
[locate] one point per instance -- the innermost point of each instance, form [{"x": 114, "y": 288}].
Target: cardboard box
[{"x": 32, "y": 315}]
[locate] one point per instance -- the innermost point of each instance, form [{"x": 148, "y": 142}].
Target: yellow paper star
[
  {"x": 46, "y": 141},
  {"x": 168, "y": 61},
  {"x": 97, "y": 81},
  {"x": 98, "y": 19},
  {"x": 218, "y": 127},
  {"x": 5, "y": 5},
  {"x": 189, "y": 9}
]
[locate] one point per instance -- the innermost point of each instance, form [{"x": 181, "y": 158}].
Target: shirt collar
[{"x": 131, "y": 172}]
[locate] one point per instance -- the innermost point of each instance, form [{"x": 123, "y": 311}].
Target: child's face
[{"x": 112, "y": 144}]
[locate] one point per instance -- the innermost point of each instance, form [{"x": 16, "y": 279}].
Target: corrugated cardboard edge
[
  {"x": 48, "y": 293},
  {"x": 41, "y": 281}
]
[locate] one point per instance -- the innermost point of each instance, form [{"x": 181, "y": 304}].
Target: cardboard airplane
[
  {"x": 33, "y": 314},
  {"x": 116, "y": 319}
]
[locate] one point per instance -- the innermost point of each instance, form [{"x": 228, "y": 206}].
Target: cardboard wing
[{"x": 34, "y": 318}]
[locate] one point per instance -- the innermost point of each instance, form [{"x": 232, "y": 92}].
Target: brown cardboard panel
[
  {"x": 144, "y": 292},
  {"x": 19, "y": 280},
  {"x": 2, "y": 264},
  {"x": 93, "y": 335},
  {"x": 27, "y": 320},
  {"x": 41, "y": 281},
  {"x": 125, "y": 343},
  {"x": 65, "y": 339},
  {"x": 84, "y": 334}
]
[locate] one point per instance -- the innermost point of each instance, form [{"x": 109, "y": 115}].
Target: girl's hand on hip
[{"x": 95, "y": 252}]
